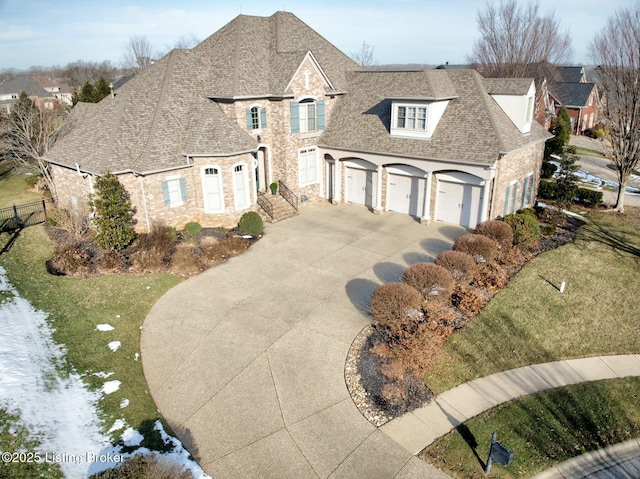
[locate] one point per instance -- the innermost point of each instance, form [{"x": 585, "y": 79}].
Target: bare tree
[
  {"x": 187, "y": 40},
  {"x": 516, "y": 41},
  {"x": 616, "y": 53},
  {"x": 138, "y": 53},
  {"x": 27, "y": 133},
  {"x": 364, "y": 57}
]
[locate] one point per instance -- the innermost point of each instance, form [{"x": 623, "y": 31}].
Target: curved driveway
[{"x": 246, "y": 361}]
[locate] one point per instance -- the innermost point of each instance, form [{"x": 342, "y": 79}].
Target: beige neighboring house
[
  {"x": 10, "y": 91},
  {"x": 201, "y": 134},
  {"x": 59, "y": 89}
]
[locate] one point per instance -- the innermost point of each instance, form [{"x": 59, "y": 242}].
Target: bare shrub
[
  {"x": 434, "y": 282},
  {"x": 492, "y": 278},
  {"x": 483, "y": 249},
  {"x": 417, "y": 351},
  {"x": 186, "y": 261},
  {"x": 148, "y": 466},
  {"x": 469, "y": 300},
  {"x": 393, "y": 370},
  {"x": 154, "y": 249},
  {"x": 111, "y": 262},
  {"x": 72, "y": 258},
  {"x": 497, "y": 230},
  {"x": 394, "y": 305},
  {"x": 461, "y": 265},
  {"x": 73, "y": 221},
  {"x": 394, "y": 394},
  {"x": 217, "y": 252}
]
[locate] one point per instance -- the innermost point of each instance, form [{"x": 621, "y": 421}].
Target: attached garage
[
  {"x": 361, "y": 182},
  {"x": 406, "y": 190},
  {"x": 459, "y": 198}
]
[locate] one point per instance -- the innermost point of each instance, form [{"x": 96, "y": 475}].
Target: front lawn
[
  {"x": 531, "y": 322},
  {"x": 543, "y": 429}
]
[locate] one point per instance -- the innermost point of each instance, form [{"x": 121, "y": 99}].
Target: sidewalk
[
  {"x": 418, "y": 429},
  {"x": 620, "y": 461}
]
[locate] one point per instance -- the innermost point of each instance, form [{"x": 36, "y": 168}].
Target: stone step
[{"x": 281, "y": 209}]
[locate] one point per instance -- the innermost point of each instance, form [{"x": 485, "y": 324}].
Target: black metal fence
[{"x": 20, "y": 216}]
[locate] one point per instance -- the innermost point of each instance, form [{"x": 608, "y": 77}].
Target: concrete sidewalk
[
  {"x": 620, "y": 461},
  {"x": 418, "y": 429}
]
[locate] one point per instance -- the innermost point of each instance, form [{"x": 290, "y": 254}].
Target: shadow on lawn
[
  {"x": 558, "y": 424},
  {"x": 601, "y": 234}
]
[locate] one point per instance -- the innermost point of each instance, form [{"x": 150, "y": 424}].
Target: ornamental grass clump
[
  {"x": 461, "y": 265},
  {"x": 434, "y": 282},
  {"x": 481, "y": 248}
]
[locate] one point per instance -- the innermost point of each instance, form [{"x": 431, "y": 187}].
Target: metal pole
[{"x": 487, "y": 468}]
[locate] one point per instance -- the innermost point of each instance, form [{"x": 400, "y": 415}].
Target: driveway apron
[{"x": 246, "y": 360}]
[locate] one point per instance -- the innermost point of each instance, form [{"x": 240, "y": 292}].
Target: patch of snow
[
  {"x": 104, "y": 327},
  {"x": 136, "y": 357},
  {"x": 124, "y": 403},
  {"x": 111, "y": 386},
  {"x": 103, "y": 375},
  {"x": 59, "y": 412},
  {"x": 117, "y": 425},
  {"x": 114, "y": 345},
  {"x": 117, "y": 315},
  {"x": 131, "y": 437}
]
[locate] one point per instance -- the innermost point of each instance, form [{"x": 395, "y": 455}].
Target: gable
[{"x": 308, "y": 77}]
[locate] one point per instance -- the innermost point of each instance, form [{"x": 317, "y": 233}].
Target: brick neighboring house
[
  {"x": 59, "y": 89},
  {"x": 10, "y": 91},
  {"x": 201, "y": 134},
  {"x": 569, "y": 87}
]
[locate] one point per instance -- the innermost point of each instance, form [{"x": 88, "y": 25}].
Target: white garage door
[
  {"x": 361, "y": 186},
  {"x": 406, "y": 194},
  {"x": 458, "y": 203}
]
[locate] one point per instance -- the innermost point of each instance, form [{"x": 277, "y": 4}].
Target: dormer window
[{"x": 411, "y": 117}]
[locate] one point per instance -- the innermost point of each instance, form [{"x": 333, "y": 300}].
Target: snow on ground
[
  {"x": 60, "y": 413},
  {"x": 114, "y": 345},
  {"x": 104, "y": 327}
]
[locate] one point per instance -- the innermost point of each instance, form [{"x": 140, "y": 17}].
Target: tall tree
[
  {"x": 27, "y": 133},
  {"x": 561, "y": 129},
  {"x": 516, "y": 41},
  {"x": 138, "y": 53},
  {"x": 616, "y": 52},
  {"x": 364, "y": 57}
]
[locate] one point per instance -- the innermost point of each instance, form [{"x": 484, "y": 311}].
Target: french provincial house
[{"x": 201, "y": 134}]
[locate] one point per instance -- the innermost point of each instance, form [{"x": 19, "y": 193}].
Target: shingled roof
[
  {"x": 165, "y": 113},
  {"x": 23, "y": 83},
  {"x": 473, "y": 128}
]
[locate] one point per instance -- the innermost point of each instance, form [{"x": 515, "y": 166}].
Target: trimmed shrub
[
  {"x": 396, "y": 306},
  {"x": 498, "y": 231},
  {"x": 483, "y": 249},
  {"x": 548, "y": 190},
  {"x": 434, "y": 282},
  {"x": 461, "y": 265},
  {"x": 251, "y": 223},
  {"x": 469, "y": 300},
  {"x": 146, "y": 466},
  {"x": 526, "y": 228},
  {"x": 114, "y": 215},
  {"x": 589, "y": 197},
  {"x": 548, "y": 169}
]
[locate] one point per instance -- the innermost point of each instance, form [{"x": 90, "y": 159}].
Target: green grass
[
  {"x": 531, "y": 322},
  {"x": 613, "y": 167},
  {"x": 13, "y": 189},
  {"x": 588, "y": 152},
  {"x": 543, "y": 429},
  {"x": 77, "y": 306}
]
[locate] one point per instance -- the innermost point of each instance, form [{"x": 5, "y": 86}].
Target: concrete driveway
[{"x": 246, "y": 361}]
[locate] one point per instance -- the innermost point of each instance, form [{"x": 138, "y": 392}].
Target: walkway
[{"x": 246, "y": 361}]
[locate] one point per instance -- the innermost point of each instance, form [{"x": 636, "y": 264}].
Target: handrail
[
  {"x": 288, "y": 195},
  {"x": 265, "y": 204}
]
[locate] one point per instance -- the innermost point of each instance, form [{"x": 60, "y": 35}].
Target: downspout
[
  {"x": 144, "y": 204},
  {"x": 492, "y": 179}
]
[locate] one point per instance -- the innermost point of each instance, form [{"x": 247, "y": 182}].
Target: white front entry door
[
  {"x": 458, "y": 203},
  {"x": 361, "y": 186},
  {"x": 406, "y": 195},
  {"x": 212, "y": 190}
]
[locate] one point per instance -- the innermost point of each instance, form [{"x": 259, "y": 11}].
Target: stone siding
[{"x": 515, "y": 167}]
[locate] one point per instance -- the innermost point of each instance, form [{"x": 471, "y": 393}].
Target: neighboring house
[
  {"x": 201, "y": 134},
  {"x": 10, "y": 91},
  {"x": 59, "y": 89},
  {"x": 569, "y": 88}
]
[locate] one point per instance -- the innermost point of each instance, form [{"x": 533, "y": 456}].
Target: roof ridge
[
  {"x": 163, "y": 92},
  {"x": 478, "y": 79}
]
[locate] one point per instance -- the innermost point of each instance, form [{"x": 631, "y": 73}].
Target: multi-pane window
[
  {"x": 307, "y": 116},
  {"x": 256, "y": 118},
  {"x": 174, "y": 191},
  {"x": 308, "y": 166},
  {"x": 412, "y": 117}
]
